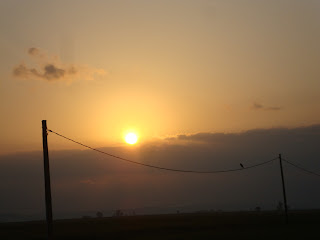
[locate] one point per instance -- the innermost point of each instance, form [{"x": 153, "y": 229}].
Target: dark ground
[{"x": 236, "y": 225}]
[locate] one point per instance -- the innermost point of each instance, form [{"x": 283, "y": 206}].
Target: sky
[{"x": 96, "y": 70}]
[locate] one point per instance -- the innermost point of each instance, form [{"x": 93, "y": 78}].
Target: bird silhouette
[{"x": 241, "y": 165}]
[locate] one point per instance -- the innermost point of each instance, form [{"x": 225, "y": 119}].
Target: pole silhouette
[
  {"x": 47, "y": 179},
  {"x": 284, "y": 191}
]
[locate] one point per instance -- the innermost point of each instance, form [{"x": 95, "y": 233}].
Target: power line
[
  {"x": 162, "y": 168},
  {"x": 301, "y": 168}
]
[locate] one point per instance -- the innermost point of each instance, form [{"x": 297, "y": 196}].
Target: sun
[{"x": 131, "y": 138}]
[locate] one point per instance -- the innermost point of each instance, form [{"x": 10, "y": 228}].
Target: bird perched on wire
[{"x": 241, "y": 165}]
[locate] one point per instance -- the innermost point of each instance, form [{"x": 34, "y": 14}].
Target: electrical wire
[
  {"x": 158, "y": 167},
  {"x": 301, "y": 168}
]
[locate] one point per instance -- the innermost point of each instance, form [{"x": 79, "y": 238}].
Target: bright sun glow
[{"x": 131, "y": 138}]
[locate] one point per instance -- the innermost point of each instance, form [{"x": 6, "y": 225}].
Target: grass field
[{"x": 235, "y": 225}]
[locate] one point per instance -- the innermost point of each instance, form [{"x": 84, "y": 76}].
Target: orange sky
[{"x": 161, "y": 68}]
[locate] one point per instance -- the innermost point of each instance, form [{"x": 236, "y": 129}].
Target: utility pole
[
  {"x": 284, "y": 190},
  {"x": 47, "y": 179}
]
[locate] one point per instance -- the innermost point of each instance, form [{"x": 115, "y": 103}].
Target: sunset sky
[
  {"x": 163, "y": 69},
  {"x": 160, "y": 67}
]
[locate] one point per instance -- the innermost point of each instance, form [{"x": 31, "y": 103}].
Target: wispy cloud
[
  {"x": 259, "y": 106},
  {"x": 50, "y": 68}
]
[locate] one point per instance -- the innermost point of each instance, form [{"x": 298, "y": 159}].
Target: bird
[{"x": 241, "y": 165}]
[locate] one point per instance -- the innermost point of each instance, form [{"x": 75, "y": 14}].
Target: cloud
[
  {"x": 258, "y": 106},
  {"x": 34, "y": 52},
  {"x": 275, "y": 137},
  {"x": 50, "y": 68},
  {"x": 84, "y": 179}
]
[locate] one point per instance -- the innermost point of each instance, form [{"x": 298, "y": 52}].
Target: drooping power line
[
  {"x": 162, "y": 168},
  {"x": 301, "y": 168}
]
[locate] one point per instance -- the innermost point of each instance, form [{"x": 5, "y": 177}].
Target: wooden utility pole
[
  {"x": 284, "y": 190},
  {"x": 47, "y": 179}
]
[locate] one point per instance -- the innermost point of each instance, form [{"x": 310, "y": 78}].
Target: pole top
[{"x": 44, "y": 124}]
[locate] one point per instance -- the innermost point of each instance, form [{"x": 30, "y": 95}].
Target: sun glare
[{"x": 131, "y": 138}]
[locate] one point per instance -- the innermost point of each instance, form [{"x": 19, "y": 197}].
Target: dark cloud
[
  {"x": 21, "y": 71},
  {"x": 258, "y": 106},
  {"x": 34, "y": 51},
  {"x": 52, "y": 69},
  {"x": 83, "y": 179},
  {"x": 261, "y": 134},
  {"x": 52, "y": 72},
  {"x": 49, "y": 72}
]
